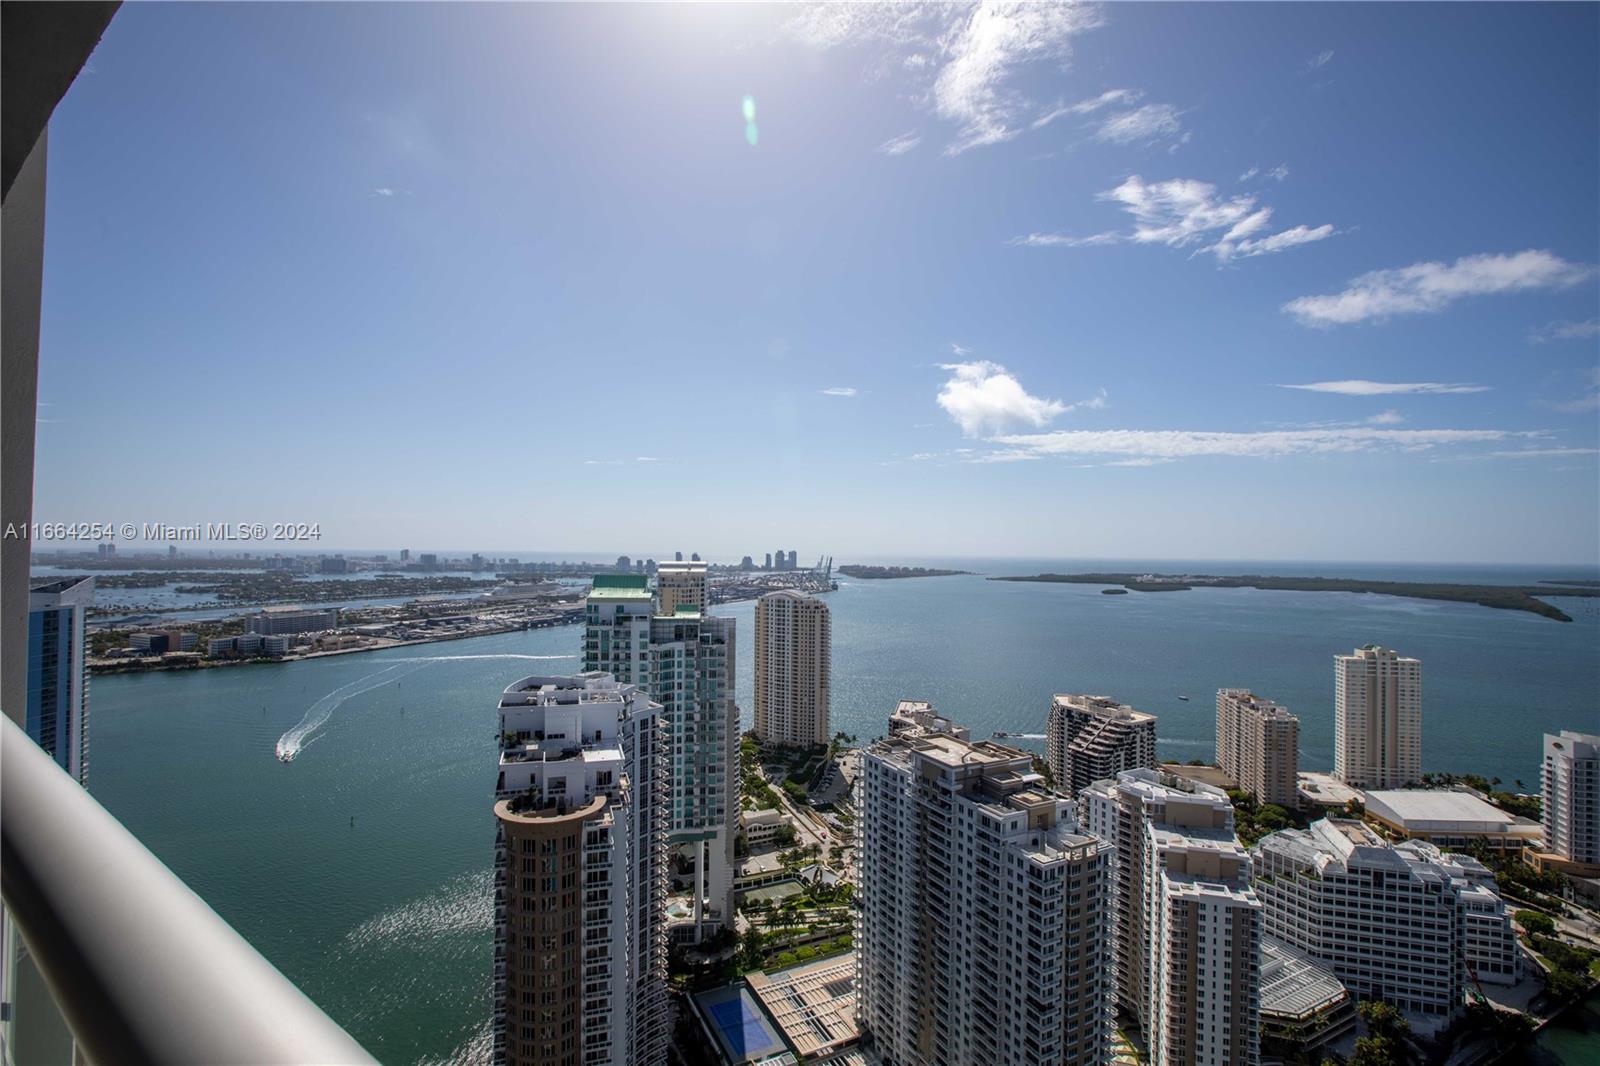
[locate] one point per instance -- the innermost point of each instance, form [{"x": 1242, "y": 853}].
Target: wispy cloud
[
  {"x": 1360, "y": 387},
  {"x": 841, "y": 390},
  {"x": 1545, "y": 453},
  {"x": 1318, "y": 61},
  {"x": 1277, "y": 173},
  {"x": 602, "y": 462},
  {"x": 1588, "y": 400},
  {"x": 902, "y": 144},
  {"x": 1429, "y": 287},
  {"x": 959, "y": 350},
  {"x": 1564, "y": 331},
  {"x": 647, "y": 459},
  {"x": 1391, "y": 417},
  {"x": 385, "y": 191},
  {"x": 1183, "y": 213},
  {"x": 964, "y": 58},
  {"x": 1266, "y": 444},
  {"x": 1144, "y": 125},
  {"x": 983, "y": 397},
  {"x": 1063, "y": 240},
  {"x": 1089, "y": 106}
]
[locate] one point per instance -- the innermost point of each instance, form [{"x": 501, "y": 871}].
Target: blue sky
[{"x": 978, "y": 281}]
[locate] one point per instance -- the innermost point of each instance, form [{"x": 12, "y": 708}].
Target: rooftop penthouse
[{"x": 574, "y": 721}]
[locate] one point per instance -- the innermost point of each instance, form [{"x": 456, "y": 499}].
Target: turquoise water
[
  {"x": 384, "y": 920},
  {"x": 1571, "y": 1040}
]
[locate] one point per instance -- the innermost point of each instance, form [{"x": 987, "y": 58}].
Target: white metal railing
[{"x": 139, "y": 966}]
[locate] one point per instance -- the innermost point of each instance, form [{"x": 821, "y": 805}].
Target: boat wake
[
  {"x": 316, "y": 716},
  {"x": 299, "y": 737}
]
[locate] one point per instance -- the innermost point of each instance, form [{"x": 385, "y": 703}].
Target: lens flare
[
  {"x": 750, "y": 132},
  {"x": 749, "y": 109}
]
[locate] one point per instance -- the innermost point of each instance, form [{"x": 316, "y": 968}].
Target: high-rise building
[
  {"x": 1570, "y": 778},
  {"x": 1091, "y": 738},
  {"x": 779, "y": 559},
  {"x": 794, "y": 639},
  {"x": 980, "y": 930},
  {"x": 794, "y": 559},
  {"x": 1257, "y": 745},
  {"x": 580, "y": 950},
  {"x": 1185, "y": 925},
  {"x": 685, "y": 660},
  {"x": 58, "y": 674},
  {"x": 405, "y": 555},
  {"x": 1397, "y": 923},
  {"x": 1377, "y": 718},
  {"x": 768, "y": 564},
  {"x": 624, "y": 564},
  {"x": 680, "y": 585}
]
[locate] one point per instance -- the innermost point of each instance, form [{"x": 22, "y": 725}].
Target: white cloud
[
  {"x": 1089, "y": 106},
  {"x": 1319, "y": 60},
  {"x": 1564, "y": 331},
  {"x": 1391, "y": 417},
  {"x": 1433, "y": 286},
  {"x": 1546, "y": 453},
  {"x": 983, "y": 397},
  {"x": 1359, "y": 387},
  {"x": 647, "y": 459},
  {"x": 1183, "y": 444},
  {"x": 602, "y": 462},
  {"x": 384, "y": 191},
  {"x": 1062, "y": 240},
  {"x": 959, "y": 351},
  {"x": 1144, "y": 125},
  {"x": 970, "y": 53},
  {"x": 902, "y": 144},
  {"x": 1183, "y": 212},
  {"x": 844, "y": 390},
  {"x": 1277, "y": 173}
]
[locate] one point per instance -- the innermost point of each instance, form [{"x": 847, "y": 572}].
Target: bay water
[{"x": 362, "y": 868}]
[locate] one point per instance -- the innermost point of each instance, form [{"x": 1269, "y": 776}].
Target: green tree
[{"x": 1536, "y": 923}]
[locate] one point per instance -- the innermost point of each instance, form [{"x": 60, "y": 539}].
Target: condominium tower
[
  {"x": 1257, "y": 741},
  {"x": 1377, "y": 718},
  {"x": 1570, "y": 776},
  {"x": 980, "y": 928},
  {"x": 684, "y": 659},
  {"x": 580, "y": 878},
  {"x": 58, "y": 675},
  {"x": 1185, "y": 925},
  {"x": 1091, "y": 738},
  {"x": 794, "y": 638},
  {"x": 1397, "y": 923}
]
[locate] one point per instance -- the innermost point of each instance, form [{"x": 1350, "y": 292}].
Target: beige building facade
[{"x": 794, "y": 669}]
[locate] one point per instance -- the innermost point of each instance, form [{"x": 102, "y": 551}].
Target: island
[
  {"x": 1505, "y": 597},
  {"x": 883, "y": 572}
]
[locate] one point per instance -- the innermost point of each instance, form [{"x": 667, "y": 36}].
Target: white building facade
[
  {"x": 1377, "y": 718},
  {"x": 1401, "y": 924},
  {"x": 1570, "y": 782},
  {"x": 1186, "y": 926},
  {"x": 981, "y": 938}
]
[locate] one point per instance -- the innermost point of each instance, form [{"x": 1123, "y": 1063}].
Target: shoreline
[{"x": 1501, "y": 597}]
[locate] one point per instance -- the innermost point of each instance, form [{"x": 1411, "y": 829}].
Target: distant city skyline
[{"x": 1125, "y": 281}]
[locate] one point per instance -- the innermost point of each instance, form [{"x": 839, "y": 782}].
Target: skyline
[{"x": 915, "y": 282}]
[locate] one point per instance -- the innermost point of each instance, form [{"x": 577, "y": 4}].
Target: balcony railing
[{"x": 139, "y": 966}]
